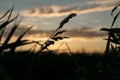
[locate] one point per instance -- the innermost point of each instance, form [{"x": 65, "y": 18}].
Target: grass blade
[
  {"x": 11, "y": 32},
  {"x": 57, "y": 38},
  {"x": 20, "y": 37},
  {"x": 7, "y": 22},
  {"x": 113, "y": 36},
  {"x": 18, "y": 41},
  {"x": 114, "y": 9},
  {"x": 11, "y": 11},
  {"x": 16, "y": 44},
  {"x": 115, "y": 18},
  {"x": 5, "y": 14},
  {"x": 59, "y": 32},
  {"x": 2, "y": 32},
  {"x": 114, "y": 41},
  {"x": 111, "y": 30}
]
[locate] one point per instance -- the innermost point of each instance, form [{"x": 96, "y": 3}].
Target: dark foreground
[{"x": 50, "y": 66}]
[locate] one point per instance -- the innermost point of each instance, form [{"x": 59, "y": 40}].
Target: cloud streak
[
  {"x": 84, "y": 32},
  {"x": 57, "y": 11}
]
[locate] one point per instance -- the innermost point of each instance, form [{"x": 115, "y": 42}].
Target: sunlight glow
[{"x": 76, "y": 44}]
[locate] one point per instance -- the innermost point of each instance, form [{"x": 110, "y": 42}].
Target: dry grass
[
  {"x": 31, "y": 66},
  {"x": 3, "y": 25},
  {"x": 113, "y": 34}
]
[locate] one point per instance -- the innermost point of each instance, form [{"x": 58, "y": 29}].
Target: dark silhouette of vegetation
[
  {"x": 3, "y": 25},
  {"x": 55, "y": 36},
  {"x": 31, "y": 66},
  {"x": 49, "y": 65},
  {"x": 113, "y": 35}
]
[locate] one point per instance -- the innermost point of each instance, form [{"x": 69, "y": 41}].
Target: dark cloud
[{"x": 84, "y": 32}]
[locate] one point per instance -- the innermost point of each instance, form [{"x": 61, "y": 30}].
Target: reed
[
  {"x": 55, "y": 36},
  {"x": 113, "y": 34},
  {"x": 4, "y": 24},
  {"x": 30, "y": 66}
]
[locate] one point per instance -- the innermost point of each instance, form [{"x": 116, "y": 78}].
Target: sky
[{"x": 83, "y": 30}]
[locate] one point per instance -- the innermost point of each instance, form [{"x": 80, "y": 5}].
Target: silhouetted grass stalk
[
  {"x": 111, "y": 31},
  {"x": 19, "y": 42},
  {"x": 54, "y": 36}
]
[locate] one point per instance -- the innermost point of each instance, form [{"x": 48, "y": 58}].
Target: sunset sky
[{"x": 83, "y": 30}]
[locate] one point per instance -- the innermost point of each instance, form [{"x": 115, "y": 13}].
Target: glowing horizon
[{"x": 83, "y": 30}]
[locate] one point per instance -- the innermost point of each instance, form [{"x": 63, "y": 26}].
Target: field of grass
[{"x": 52, "y": 66}]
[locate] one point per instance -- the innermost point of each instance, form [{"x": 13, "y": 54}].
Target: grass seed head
[{"x": 67, "y": 19}]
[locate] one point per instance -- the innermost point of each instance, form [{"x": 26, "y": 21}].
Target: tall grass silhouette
[
  {"x": 27, "y": 65},
  {"x": 113, "y": 34},
  {"x": 55, "y": 36},
  {"x": 4, "y": 24}
]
